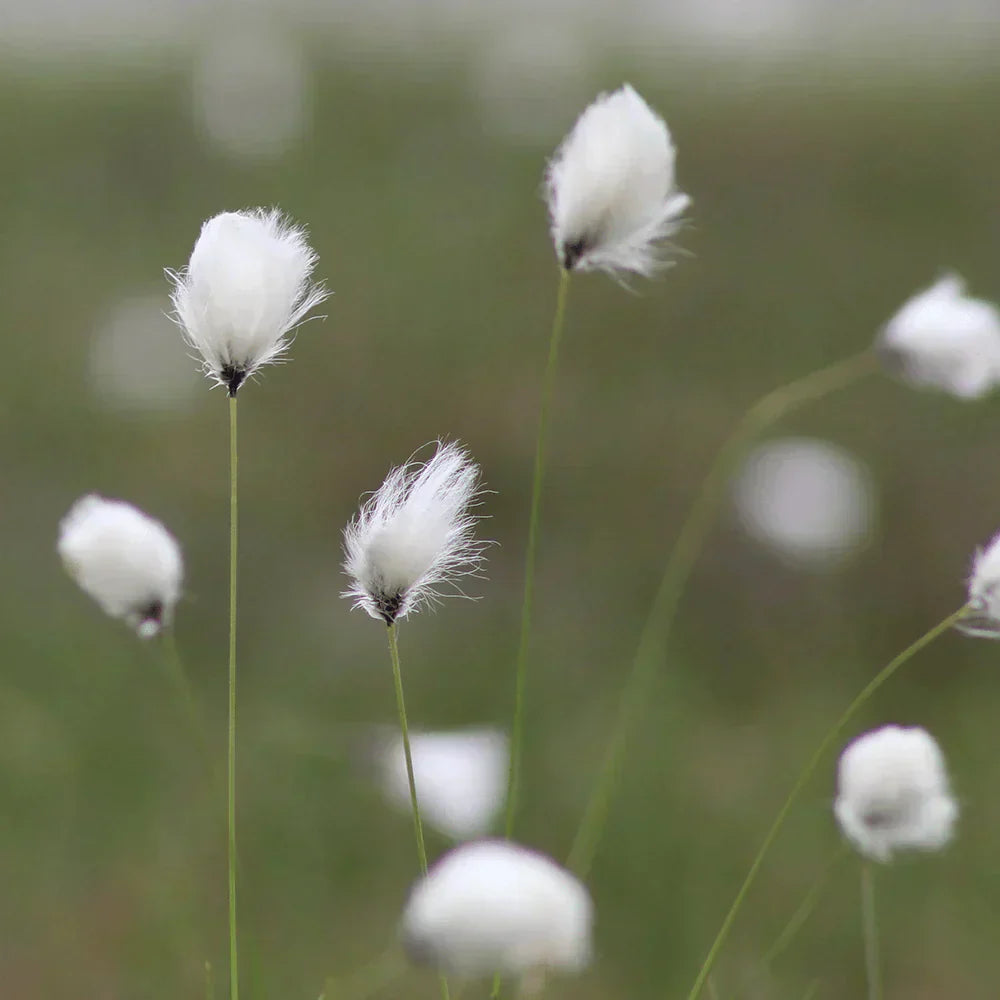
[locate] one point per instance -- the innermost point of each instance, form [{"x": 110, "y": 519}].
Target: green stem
[
  {"x": 418, "y": 826},
  {"x": 517, "y": 729},
  {"x": 178, "y": 677},
  {"x": 807, "y": 772},
  {"x": 765, "y": 412},
  {"x": 869, "y": 923},
  {"x": 234, "y": 984}
]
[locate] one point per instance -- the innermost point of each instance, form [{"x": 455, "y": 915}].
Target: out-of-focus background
[{"x": 840, "y": 157}]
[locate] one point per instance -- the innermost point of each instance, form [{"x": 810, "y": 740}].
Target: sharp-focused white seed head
[
  {"x": 610, "y": 187},
  {"x": 245, "y": 289},
  {"x": 125, "y": 560},
  {"x": 893, "y": 793},
  {"x": 491, "y": 906},
  {"x": 943, "y": 339},
  {"x": 414, "y": 535},
  {"x": 983, "y": 616},
  {"x": 460, "y": 776}
]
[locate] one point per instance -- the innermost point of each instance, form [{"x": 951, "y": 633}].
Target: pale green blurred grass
[{"x": 818, "y": 208}]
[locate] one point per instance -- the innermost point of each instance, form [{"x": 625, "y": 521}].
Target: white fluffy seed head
[
  {"x": 125, "y": 560},
  {"x": 983, "y": 617},
  {"x": 245, "y": 289},
  {"x": 943, "y": 339},
  {"x": 491, "y": 906},
  {"x": 610, "y": 187},
  {"x": 893, "y": 794},
  {"x": 415, "y": 535}
]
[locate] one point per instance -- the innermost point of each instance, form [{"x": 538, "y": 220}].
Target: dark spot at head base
[
  {"x": 232, "y": 377},
  {"x": 879, "y": 819},
  {"x": 151, "y": 614},
  {"x": 572, "y": 252},
  {"x": 389, "y": 606}
]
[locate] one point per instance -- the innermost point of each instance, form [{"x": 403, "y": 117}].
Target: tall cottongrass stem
[
  {"x": 521, "y": 671},
  {"x": 869, "y": 926},
  {"x": 234, "y": 987},
  {"x": 804, "y": 776},
  {"x": 764, "y": 413}
]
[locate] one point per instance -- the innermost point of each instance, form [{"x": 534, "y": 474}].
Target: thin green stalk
[
  {"x": 209, "y": 981},
  {"x": 178, "y": 677},
  {"x": 765, "y": 412},
  {"x": 807, "y": 772},
  {"x": 418, "y": 827},
  {"x": 869, "y": 923},
  {"x": 234, "y": 980},
  {"x": 548, "y": 383}
]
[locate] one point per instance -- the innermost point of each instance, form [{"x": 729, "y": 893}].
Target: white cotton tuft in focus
[
  {"x": 943, "y": 339},
  {"x": 610, "y": 187},
  {"x": 245, "y": 289},
  {"x": 414, "y": 535},
  {"x": 125, "y": 560},
  {"x": 461, "y": 778},
  {"x": 983, "y": 618},
  {"x": 491, "y": 906},
  {"x": 893, "y": 793}
]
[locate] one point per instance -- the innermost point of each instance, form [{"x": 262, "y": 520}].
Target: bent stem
[
  {"x": 517, "y": 729},
  {"x": 234, "y": 982},
  {"x": 869, "y": 923},
  {"x": 762, "y": 414},
  {"x": 807, "y": 772},
  {"x": 178, "y": 677}
]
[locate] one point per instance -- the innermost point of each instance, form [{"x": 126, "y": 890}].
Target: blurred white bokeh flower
[
  {"x": 610, "y": 187},
  {"x": 983, "y": 616},
  {"x": 893, "y": 793},
  {"x": 125, "y": 560}
]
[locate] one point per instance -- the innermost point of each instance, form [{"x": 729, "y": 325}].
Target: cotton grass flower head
[
  {"x": 610, "y": 188},
  {"x": 124, "y": 559},
  {"x": 893, "y": 793},
  {"x": 943, "y": 339},
  {"x": 983, "y": 617},
  {"x": 245, "y": 289},
  {"x": 415, "y": 535},
  {"x": 491, "y": 906}
]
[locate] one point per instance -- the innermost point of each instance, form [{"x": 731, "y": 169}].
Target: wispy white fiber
[
  {"x": 944, "y": 339},
  {"x": 415, "y": 535},
  {"x": 124, "y": 559},
  {"x": 492, "y": 906},
  {"x": 245, "y": 289},
  {"x": 983, "y": 618},
  {"x": 611, "y": 190},
  {"x": 461, "y": 778},
  {"x": 893, "y": 793}
]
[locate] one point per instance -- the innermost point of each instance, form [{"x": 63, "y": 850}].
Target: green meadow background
[{"x": 822, "y": 199}]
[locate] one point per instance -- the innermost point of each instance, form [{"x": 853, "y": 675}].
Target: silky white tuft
[
  {"x": 245, "y": 289},
  {"x": 610, "y": 187},
  {"x": 491, "y": 906},
  {"x": 983, "y": 617},
  {"x": 124, "y": 559},
  {"x": 461, "y": 778},
  {"x": 892, "y": 793},
  {"x": 941, "y": 338},
  {"x": 414, "y": 535}
]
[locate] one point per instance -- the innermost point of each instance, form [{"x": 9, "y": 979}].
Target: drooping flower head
[
  {"x": 893, "y": 793},
  {"x": 983, "y": 616},
  {"x": 610, "y": 187},
  {"x": 492, "y": 906},
  {"x": 245, "y": 289},
  {"x": 414, "y": 535},
  {"x": 944, "y": 339},
  {"x": 124, "y": 559}
]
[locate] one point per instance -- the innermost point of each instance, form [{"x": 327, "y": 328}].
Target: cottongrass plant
[{"x": 247, "y": 286}]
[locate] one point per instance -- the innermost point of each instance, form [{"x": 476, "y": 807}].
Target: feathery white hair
[{"x": 983, "y": 617}]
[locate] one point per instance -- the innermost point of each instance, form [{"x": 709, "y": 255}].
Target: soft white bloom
[
  {"x": 414, "y": 534},
  {"x": 610, "y": 187},
  {"x": 491, "y": 906},
  {"x": 124, "y": 559},
  {"x": 946, "y": 340},
  {"x": 461, "y": 778},
  {"x": 983, "y": 618},
  {"x": 892, "y": 793},
  {"x": 245, "y": 289}
]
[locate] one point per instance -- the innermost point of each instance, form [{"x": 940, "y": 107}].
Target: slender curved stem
[
  {"x": 765, "y": 412},
  {"x": 234, "y": 976},
  {"x": 869, "y": 923},
  {"x": 807, "y": 772},
  {"x": 177, "y": 675},
  {"x": 548, "y": 383}
]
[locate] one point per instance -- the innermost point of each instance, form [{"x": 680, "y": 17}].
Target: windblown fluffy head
[
  {"x": 246, "y": 287},
  {"x": 414, "y": 534},
  {"x": 983, "y": 616},
  {"x": 126, "y": 561},
  {"x": 610, "y": 187}
]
